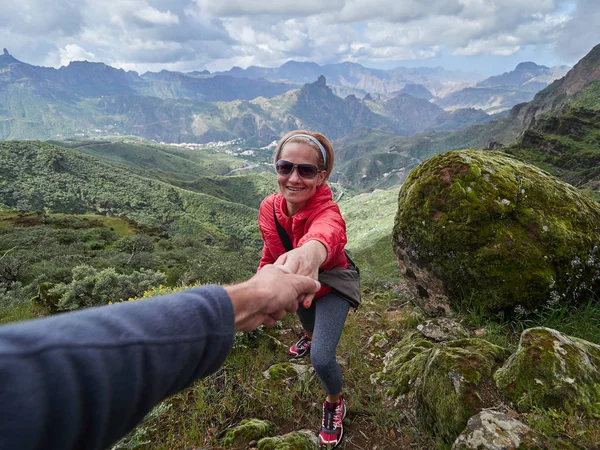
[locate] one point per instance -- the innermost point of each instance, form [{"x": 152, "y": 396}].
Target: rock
[
  {"x": 296, "y": 440},
  {"x": 248, "y": 430},
  {"x": 378, "y": 341},
  {"x": 447, "y": 383},
  {"x": 552, "y": 370},
  {"x": 286, "y": 370},
  {"x": 494, "y": 430},
  {"x": 483, "y": 226},
  {"x": 443, "y": 329}
]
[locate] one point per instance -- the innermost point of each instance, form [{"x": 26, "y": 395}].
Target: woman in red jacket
[{"x": 304, "y": 208}]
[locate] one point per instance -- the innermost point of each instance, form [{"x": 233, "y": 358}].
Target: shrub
[{"x": 92, "y": 287}]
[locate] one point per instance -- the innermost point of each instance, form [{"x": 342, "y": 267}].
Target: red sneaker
[
  {"x": 300, "y": 348},
  {"x": 332, "y": 428}
]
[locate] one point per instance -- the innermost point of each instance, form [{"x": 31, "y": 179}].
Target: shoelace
[
  {"x": 328, "y": 418},
  {"x": 337, "y": 417},
  {"x": 332, "y": 418},
  {"x": 302, "y": 343}
]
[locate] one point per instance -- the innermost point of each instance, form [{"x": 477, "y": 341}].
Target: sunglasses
[{"x": 285, "y": 168}]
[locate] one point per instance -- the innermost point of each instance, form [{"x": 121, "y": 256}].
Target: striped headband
[{"x": 312, "y": 139}]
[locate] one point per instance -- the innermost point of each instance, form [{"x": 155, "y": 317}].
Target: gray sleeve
[{"x": 84, "y": 379}]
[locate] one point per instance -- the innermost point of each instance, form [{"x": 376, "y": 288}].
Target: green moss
[
  {"x": 552, "y": 370},
  {"x": 281, "y": 371},
  {"x": 449, "y": 383},
  {"x": 455, "y": 385},
  {"x": 498, "y": 230},
  {"x": 297, "y": 440},
  {"x": 249, "y": 430}
]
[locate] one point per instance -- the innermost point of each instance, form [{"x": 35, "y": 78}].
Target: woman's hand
[{"x": 306, "y": 261}]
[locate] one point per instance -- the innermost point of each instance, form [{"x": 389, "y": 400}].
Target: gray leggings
[{"x": 325, "y": 319}]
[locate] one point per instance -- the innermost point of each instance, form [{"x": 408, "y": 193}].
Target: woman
[{"x": 304, "y": 209}]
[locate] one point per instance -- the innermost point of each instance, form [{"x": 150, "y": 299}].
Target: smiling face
[{"x": 295, "y": 189}]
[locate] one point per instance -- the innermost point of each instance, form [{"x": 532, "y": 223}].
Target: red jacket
[{"x": 319, "y": 220}]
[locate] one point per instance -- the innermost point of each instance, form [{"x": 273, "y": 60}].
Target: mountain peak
[
  {"x": 6, "y": 59},
  {"x": 553, "y": 97},
  {"x": 528, "y": 65},
  {"x": 321, "y": 81}
]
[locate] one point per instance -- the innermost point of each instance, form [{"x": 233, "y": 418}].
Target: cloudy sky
[{"x": 487, "y": 36}]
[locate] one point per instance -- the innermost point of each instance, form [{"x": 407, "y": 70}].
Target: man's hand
[
  {"x": 268, "y": 296},
  {"x": 305, "y": 260}
]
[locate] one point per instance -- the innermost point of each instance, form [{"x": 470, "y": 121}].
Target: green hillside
[
  {"x": 157, "y": 160},
  {"x": 374, "y": 171},
  {"x": 567, "y": 144},
  {"x": 369, "y": 221},
  {"x": 247, "y": 190},
  {"x": 376, "y": 159},
  {"x": 39, "y": 176}
]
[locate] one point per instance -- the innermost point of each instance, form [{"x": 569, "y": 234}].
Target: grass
[
  {"x": 563, "y": 430},
  {"x": 20, "y": 312},
  {"x": 579, "y": 321}
]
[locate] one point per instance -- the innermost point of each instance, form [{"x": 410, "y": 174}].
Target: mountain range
[
  {"x": 255, "y": 104},
  {"x": 93, "y": 99}
]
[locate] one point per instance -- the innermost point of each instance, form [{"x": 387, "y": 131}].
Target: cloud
[
  {"x": 580, "y": 33},
  {"x": 281, "y": 8},
  {"x": 41, "y": 18},
  {"x": 500, "y": 46},
  {"x": 152, "y": 16},
  {"x": 73, "y": 52},
  {"x": 398, "y": 11},
  {"x": 199, "y": 34}
]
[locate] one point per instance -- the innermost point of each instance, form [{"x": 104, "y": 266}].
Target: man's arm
[{"x": 85, "y": 379}]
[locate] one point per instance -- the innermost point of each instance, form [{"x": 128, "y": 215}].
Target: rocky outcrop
[
  {"x": 552, "y": 370},
  {"x": 483, "y": 227},
  {"x": 567, "y": 143},
  {"x": 450, "y": 385},
  {"x": 446, "y": 383},
  {"x": 495, "y": 430}
]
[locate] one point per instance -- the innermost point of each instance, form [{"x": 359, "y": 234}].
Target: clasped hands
[{"x": 277, "y": 288}]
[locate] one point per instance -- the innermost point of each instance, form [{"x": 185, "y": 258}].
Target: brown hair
[{"x": 302, "y": 140}]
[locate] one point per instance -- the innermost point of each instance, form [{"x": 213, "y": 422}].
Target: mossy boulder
[
  {"x": 296, "y": 440},
  {"x": 248, "y": 430},
  {"x": 484, "y": 226},
  {"x": 446, "y": 383},
  {"x": 552, "y": 370}
]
